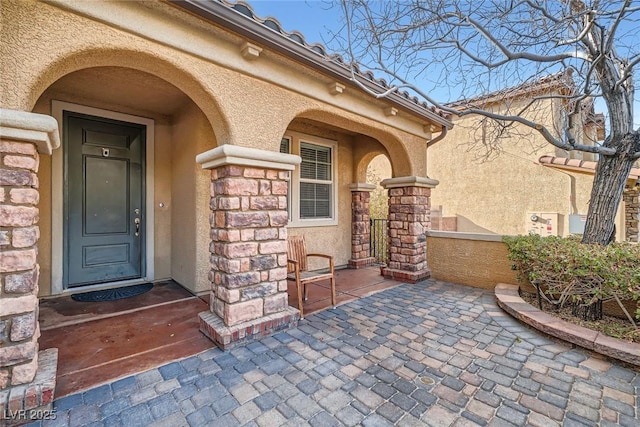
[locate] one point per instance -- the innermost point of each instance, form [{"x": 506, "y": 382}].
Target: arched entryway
[{"x": 172, "y": 216}]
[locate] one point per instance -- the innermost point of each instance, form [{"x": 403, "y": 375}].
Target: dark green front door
[{"x": 104, "y": 200}]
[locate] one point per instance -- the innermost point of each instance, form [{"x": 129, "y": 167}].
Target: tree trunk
[{"x": 610, "y": 179}]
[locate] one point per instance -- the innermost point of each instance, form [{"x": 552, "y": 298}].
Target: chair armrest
[
  {"x": 321, "y": 256},
  {"x": 329, "y": 257}
]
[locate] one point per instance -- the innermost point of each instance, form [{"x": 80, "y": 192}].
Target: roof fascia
[{"x": 215, "y": 12}]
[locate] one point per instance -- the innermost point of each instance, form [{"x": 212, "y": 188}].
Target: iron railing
[{"x": 378, "y": 240}]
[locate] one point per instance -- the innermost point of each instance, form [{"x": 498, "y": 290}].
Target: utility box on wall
[
  {"x": 544, "y": 223},
  {"x": 577, "y": 223}
]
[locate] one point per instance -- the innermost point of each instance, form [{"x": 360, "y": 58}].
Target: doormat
[{"x": 113, "y": 294}]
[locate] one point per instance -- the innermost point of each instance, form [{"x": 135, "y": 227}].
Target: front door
[{"x": 103, "y": 200}]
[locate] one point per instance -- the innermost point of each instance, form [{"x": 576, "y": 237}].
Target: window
[{"x": 312, "y": 190}]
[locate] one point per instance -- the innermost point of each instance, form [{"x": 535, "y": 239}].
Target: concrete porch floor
[{"x": 101, "y": 342}]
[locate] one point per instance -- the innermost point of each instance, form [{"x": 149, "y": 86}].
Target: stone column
[
  {"x": 360, "y": 225},
  {"x": 248, "y": 244},
  {"x": 409, "y": 219},
  {"x": 631, "y": 197},
  {"x": 27, "y": 376}
]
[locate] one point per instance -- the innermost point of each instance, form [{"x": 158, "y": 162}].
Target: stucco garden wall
[{"x": 478, "y": 260}]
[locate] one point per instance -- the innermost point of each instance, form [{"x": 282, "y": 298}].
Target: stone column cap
[
  {"x": 236, "y": 155},
  {"x": 362, "y": 186},
  {"x": 39, "y": 129},
  {"x": 410, "y": 181}
]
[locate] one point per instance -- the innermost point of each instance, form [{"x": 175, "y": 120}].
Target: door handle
[{"x": 136, "y": 221}]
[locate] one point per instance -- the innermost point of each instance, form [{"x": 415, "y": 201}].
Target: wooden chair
[{"x": 297, "y": 269}]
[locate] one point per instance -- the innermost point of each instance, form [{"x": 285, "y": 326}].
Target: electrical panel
[
  {"x": 577, "y": 223},
  {"x": 543, "y": 224}
]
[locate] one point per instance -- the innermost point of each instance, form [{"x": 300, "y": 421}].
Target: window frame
[{"x": 293, "y": 196}]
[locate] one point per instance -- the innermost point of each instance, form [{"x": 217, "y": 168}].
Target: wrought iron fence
[{"x": 378, "y": 240}]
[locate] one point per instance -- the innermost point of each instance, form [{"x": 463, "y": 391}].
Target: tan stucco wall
[
  {"x": 477, "y": 263},
  {"x": 190, "y": 188},
  {"x": 483, "y": 264},
  {"x": 248, "y": 102},
  {"x": 494, "y": 196},
  {"x": 230, "y": 100},
  {"x": 162, "y": 194}
]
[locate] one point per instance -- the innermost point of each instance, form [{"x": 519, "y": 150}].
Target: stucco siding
[
  {"x": 190, "y": 188},
  {"x": 152, "y": 60},
  {"x": 494, "y": 195}
]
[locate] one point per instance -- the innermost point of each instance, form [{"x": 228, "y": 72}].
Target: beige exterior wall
[
  {"x": 480, "y": 260},
  {"x": 191, "y": 135},
  {"x": 474, "y": 260},
  {"x": 495, "y": 195},
  {"x": 154, "y": 61},
  {"x": 248, "y": 102}
]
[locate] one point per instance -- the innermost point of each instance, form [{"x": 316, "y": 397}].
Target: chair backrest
[{"x": 297, "y": 250}]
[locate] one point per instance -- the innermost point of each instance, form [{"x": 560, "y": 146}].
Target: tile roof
[
  {"x": 585, "y": 166},
  {"x": 240, "y": 17},
  {"x": 561, "y": 82}
]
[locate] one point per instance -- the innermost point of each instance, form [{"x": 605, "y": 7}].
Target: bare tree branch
[{"x": 492, "y": 54}]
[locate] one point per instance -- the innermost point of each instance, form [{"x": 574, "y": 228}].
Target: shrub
[{"x": 581, "y": 273}]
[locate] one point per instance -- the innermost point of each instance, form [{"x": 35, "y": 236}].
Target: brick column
[
  {"x": 27, "y": 376},
  {"x": 409, "y": 219},
  {"x": 360, "y": 225},
  {"x": 631, "y": 197},
  {"x": 249, "y": 244}
]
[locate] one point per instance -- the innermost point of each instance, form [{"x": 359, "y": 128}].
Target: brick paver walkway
[{"x": 427, "y": 354}]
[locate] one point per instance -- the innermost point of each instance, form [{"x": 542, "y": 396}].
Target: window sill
[{"x": 313, "y": 223}]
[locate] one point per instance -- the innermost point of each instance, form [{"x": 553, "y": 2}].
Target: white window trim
[{"x": 295, "y": 139}]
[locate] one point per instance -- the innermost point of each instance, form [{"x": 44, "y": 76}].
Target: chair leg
[
  {"x": 333, "y": 292},
  {"x": 300, "y": 306}
]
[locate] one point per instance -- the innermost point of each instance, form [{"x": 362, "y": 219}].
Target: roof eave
[
  {"x": 582, "y": 166},
  {"x": 215, "y": 12}
]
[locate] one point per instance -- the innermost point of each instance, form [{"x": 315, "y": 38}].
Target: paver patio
[{"x": 426, "y": 354}]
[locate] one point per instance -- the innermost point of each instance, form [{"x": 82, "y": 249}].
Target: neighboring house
[
  {"x": 144, "y": 141},
  {"x": 499, "y": 193}
]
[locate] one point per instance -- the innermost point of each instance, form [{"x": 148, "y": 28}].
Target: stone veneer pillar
[
  {"x": 360, "y": 225},
  {"x": 27, "y": 376},
  {"x": 631, "y": 197},
  {"x": 249, "y": 296},
  {"x": 409, "y": 219}
]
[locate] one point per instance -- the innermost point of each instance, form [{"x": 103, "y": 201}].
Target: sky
[
  {"x": 316, "y": 20},
  {"x": 313, "y": 18}
]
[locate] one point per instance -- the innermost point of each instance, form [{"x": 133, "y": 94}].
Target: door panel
[
  {"x": 104, "y": 188},
  {"x": 106, "y": 196}
]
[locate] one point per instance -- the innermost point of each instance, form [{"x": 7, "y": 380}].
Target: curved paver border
[{"x": 508, "y": 298}]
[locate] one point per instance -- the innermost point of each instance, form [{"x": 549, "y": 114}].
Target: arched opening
[
  {"x": 366, "y": 141},
  {"x": 172, "y": 220},
  {"x": 350, "y": 148},
  {"x": 378, "y": 169}
]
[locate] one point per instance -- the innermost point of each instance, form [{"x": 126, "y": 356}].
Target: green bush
[{"x": 577, "y": 272}]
